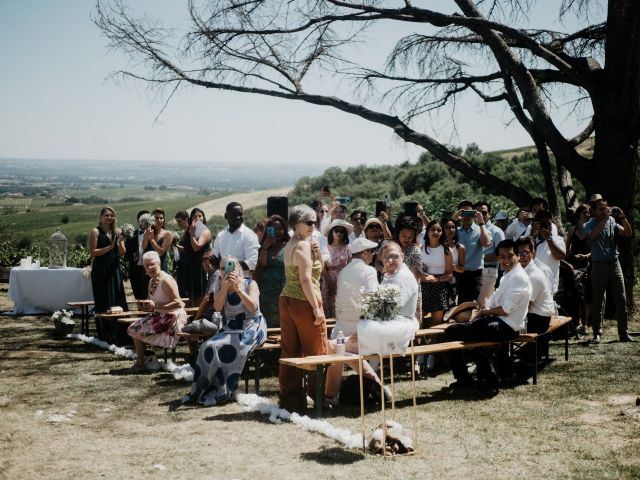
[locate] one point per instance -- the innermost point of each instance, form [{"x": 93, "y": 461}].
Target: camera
[
  {"x": 271, "y": 231},
  {"x": 468, "y": 214},
  {"x": 229, "y": 266},
  {"x": 615, "y": 211}
]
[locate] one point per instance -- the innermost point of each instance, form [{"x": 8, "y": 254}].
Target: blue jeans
[{"x": 603, "y": 275}]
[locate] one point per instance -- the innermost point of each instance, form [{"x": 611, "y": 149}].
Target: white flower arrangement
[
  {"x": 63, "y": 316},
  {"x": 146, "y": 220},
  {"x": 381, "y": 305},
  {"x": 86, "y": 272},
  {"x": 127, "y": 230}
]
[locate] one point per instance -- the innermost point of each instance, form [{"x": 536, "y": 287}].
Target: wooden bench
[
  {"x": 319, "y": 362},
  {"x": 85, "y": 312}
]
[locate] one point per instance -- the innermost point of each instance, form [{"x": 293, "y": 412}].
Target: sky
[{"x": 58, "y": 102}]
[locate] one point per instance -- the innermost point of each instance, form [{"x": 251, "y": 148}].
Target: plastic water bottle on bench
[{"x": 341, "y": 342}]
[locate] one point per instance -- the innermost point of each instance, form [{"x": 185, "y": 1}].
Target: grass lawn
[{"x": 571, "y": 425}]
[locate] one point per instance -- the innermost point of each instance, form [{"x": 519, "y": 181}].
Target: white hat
[
  {"x": 338, "y": 222},
  {"x": 501, "y": 215},
  {"x": 361, "y": 244}
]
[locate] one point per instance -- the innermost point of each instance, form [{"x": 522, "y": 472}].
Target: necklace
[{"x": 153, "y": 284}]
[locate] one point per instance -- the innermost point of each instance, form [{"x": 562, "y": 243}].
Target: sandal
[{"x": 135, "y": 369}]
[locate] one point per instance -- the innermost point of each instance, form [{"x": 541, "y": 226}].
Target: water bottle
[
  {"x": 524, "y": 329},
  {"x": 340, "y": 343}
]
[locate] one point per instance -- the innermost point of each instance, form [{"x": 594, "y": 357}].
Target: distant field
[{"x": 41, "y": 221}]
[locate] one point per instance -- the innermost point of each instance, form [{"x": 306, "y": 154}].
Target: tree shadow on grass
[
  {"x": 236, "y": 417},
  {"x": 333, "y": 456}
]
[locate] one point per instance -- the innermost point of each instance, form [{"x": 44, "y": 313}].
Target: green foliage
[
  {"x": 11, "y": 254},
  {"x": 428, "y": 181}
]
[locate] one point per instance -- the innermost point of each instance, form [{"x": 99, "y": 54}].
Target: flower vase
[
  {"x": 62, "y": 329},
  {"x": 385, "y": 337}
]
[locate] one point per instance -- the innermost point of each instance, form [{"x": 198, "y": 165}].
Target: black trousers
[
  {"x": 139, "y": 281},
  {"x": 481, "y": 329},
  {"x": 469, "y": 283}
]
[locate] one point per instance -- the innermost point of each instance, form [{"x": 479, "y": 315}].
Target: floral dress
[
  {"x": 221, "y": 359},
  {"x": 338, "y": 260},
  {"x": 413, "y": 260},
  {"x": 161, "y": 327}
]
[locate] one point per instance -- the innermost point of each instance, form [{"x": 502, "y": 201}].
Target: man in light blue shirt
[
  {"x": 605, "y": 267},
  {"x": 474, "y": 237}
]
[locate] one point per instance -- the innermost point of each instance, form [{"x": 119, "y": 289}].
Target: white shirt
[
  {"x": 140, "y": 249},
  {"x": 541, "y": 302},
  {"x": 242, "y": 244},
  {"x": 513, "y": 296},
  {"x": 323, "y": 242},
  {"x": 434, "y": 262},
  {"x": 545, "y": 270},
  {"x": 353, "y": 280},
  {"x": 406, "y": 281},
  {"x": 543, "y": 255},
  {"x": 516, "y": 229}
]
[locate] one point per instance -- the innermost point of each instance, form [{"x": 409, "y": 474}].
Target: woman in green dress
[
  {"x": 157, "y": 239},
  {"x": 269, "y": 272},
  {"x": 106, "y": 245}
]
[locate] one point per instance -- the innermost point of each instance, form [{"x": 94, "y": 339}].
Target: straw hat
[
  {"x": 338, "y": 222},
  {"x": 371, "y": 221},
  {"x": 461, "y": 313}
]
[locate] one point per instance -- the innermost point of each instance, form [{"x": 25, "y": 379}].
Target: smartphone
[
  {"x": 411, "y": 209},
  {"x": 379, "y": 207},
  {"x": 469, "y": 213},
  {"x": 229, "y": 266},
  {"x": 271, "y": 231}
]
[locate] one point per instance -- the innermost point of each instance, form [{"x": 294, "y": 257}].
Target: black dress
[
  {"x": 108, "y": 291},
  {"x": 192, "y": 279}
]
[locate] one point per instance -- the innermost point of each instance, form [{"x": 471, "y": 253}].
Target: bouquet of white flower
[
  {"x": 146, "y": 220},
  {"x": 127, "y": 230},
  {"x": 63, "y": 316},
  {"x": 382, "y": 304}
]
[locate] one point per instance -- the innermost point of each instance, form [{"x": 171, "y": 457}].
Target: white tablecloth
[{"x": 44, "y": 290}]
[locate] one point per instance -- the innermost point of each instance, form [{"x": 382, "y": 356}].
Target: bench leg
[
  {"x": 257, "y": 365},
  {"x": 319, "y": 389},
  {"x": 173, "y": 355},
  {"x": 535, "y": 361},
  {"x": 566, "y": 343}
]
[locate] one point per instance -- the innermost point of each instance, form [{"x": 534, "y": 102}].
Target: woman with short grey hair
[
  {"x": 302, "y": 322},
  {"x": 300, "y": 214}
]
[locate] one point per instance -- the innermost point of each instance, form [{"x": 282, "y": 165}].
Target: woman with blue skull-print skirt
[{"x": 221, "y": 359}]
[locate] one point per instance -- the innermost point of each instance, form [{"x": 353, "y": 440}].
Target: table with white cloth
[{"x": 44, "y": 290}]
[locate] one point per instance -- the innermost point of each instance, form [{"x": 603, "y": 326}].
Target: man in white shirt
[
  {"x": 550, "y": 248},
  {"x": 500, "y": 319},
  {"x": 354, "y": 280},
  {"x": 520, "y": 225},
  {"x": 541, "y": 306},
  {"x": 397, "y": 273},
  {"x": 357, "y": 278},
  {"x": 237, "y": 240}
]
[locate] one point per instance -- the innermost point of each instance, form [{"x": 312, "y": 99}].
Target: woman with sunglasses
[
  {"x": 337, "y": 233},
  {"x": 196, "y": 240},
  {"x": 373, "y": 232},
  {"x": 303, "y": 326}
]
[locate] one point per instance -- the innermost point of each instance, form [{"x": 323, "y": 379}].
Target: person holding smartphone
[
  {"x": 601, "y": 233},
  {"x": 473, "y": 234},
  {"x": 269, "y": 271},
  {"x": 302, "y": 321},
  {"x": 221, "y": 359}
]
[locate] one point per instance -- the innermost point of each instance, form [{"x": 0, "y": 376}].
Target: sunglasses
[
  {"x": 376, "y": 227},
  {"x": 340, "y": 231},
  {"x": 393, "y": 256},
  {"x": 524, "y": 253},
  {"x": 309, "y": 223}
]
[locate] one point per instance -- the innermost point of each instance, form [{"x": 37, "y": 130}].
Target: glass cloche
[{"x": 58, "y": 247}]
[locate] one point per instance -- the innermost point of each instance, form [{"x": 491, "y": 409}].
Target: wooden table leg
[{"x": 319, "y": 389}]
